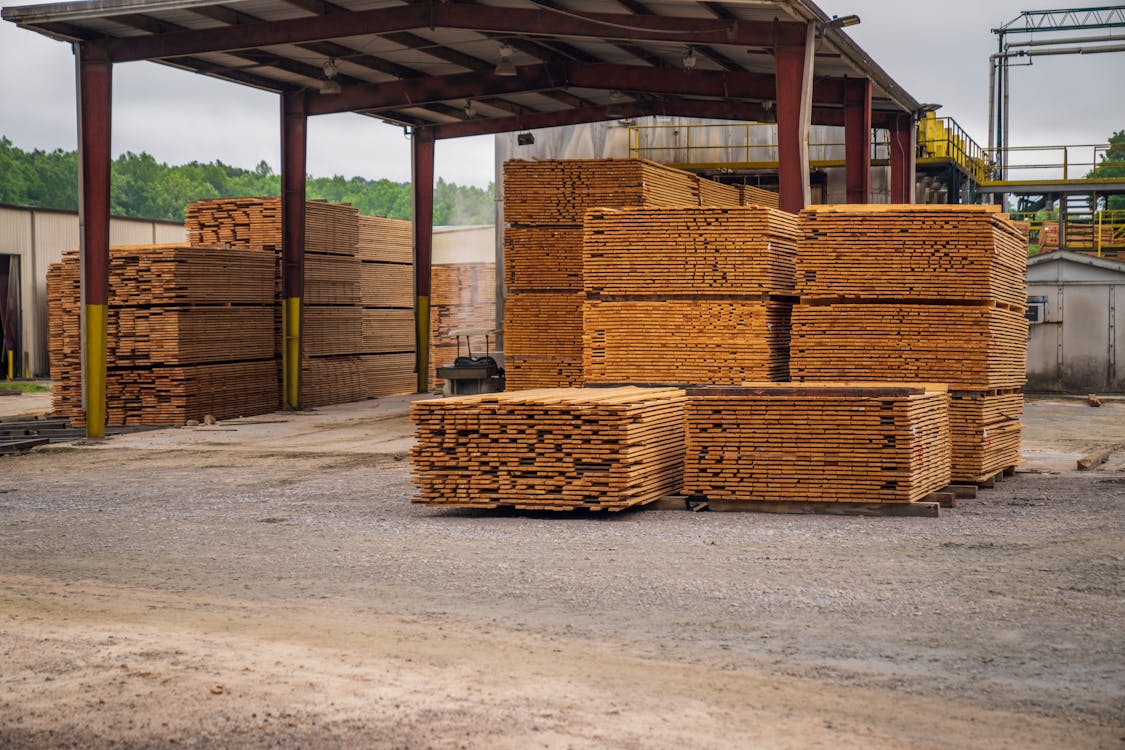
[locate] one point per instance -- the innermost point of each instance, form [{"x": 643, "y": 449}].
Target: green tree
[
  {"x": 1113, "y": 165},
  {"x": 143, "y": 187}
]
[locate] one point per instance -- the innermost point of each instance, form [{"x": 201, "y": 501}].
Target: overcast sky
[{"x": 937, "y": 51}]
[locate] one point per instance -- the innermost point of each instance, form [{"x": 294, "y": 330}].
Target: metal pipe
[{"x": 1068, "y": 40}]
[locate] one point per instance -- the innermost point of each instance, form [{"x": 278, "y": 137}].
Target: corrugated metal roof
[{"x": 436, "y": 51}]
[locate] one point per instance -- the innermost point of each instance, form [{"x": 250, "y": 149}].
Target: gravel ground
[{"x": 268, "y": 583}]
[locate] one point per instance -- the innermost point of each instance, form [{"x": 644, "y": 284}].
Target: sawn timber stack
[
  {"x": 923, "y": 293},
  {"x": 549, "y": 449},
  {"x": 545, "y": 203},
  {"x": 834, "y": 443},
  {"x": 687, "y": 295}
]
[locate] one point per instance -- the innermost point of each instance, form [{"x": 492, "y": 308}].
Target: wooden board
[
  {"x": 332, "y": 330},
  {"x": 807, "y": 444},
  {"x": 549, "y": 449},
  {"x": 331, "y": 228},
  {"x": 386, "y": 285}
]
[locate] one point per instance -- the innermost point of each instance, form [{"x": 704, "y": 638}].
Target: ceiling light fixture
[
  {"x": 689, "y": 59},
  {"x": 614, "y": 110},
  {"x": 470, "y": 108},
  {"x": 505, "y": 68},
  {"x": 840, "y": 22},
  {"x": 330, "y": 86},
  {"x": 525, "y": 139}
]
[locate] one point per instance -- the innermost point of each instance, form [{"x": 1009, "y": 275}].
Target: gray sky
[{"x": 937, "y": 51}]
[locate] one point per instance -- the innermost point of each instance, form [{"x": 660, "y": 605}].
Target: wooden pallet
[
  {"x": 549, "y": 449},
  {"x": 828, "y": 443}
]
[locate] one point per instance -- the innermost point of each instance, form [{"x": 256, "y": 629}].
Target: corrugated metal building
[
  {"x": 30, "y": 240},
  {"x": 1076, "y": 304}
]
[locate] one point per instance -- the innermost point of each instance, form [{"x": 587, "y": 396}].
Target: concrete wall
[
  {"x": 471, "y": 244},
  {"x": 39, "y": 236},
  {"x": 1078, "y": 347}
]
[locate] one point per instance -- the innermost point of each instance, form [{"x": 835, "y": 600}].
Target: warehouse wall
[
  {"x": 1078, "y": 348},
  {"x": 39, "y": 236}
]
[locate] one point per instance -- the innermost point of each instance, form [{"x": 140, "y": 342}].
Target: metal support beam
[
  {"x": 902, "y": 135},
  {"x": 294, "y": 140},
  {"x": 485, "y": 19},
  {"x": 422, "y": 170},
  {"x": 792, "y": 141},
  {"x": 95, "y": 106},
  {"x": 857, "y": 139}
]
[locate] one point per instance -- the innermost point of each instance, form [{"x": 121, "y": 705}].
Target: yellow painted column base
[
  {"x": 422, "y": 341},
  {"x": 291, "y": 353},
  {"x": 97, "y": 325}
]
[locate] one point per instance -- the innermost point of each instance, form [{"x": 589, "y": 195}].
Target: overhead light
[
  {"x": 614, "y": 110},
  {"x": 330, "y": 86},
  {"x": 840, "y": 22},
  {"x": 689, "y": 60},
  {"x": 470, "y": 109},
  {"x": 525, "y": 139},
  {"x": 768, "y": 113},
  {"x": 505, "y": 68}
]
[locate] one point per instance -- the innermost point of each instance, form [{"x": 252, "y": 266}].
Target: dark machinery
[{"x": 469, "y": 375}]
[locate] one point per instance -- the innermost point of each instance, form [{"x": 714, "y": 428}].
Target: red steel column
[
  {"x": 422, "y": 164},
  {"x": 294, "y": 140},
  {"x": 857, "y": 139},
  {"x": 790, "y": 72},
  {"x": 902, "y": 158},
  {"x": 95, "y": 105}
]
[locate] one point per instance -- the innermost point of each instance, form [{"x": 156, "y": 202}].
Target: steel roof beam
[{"x": 602, "y": 26}]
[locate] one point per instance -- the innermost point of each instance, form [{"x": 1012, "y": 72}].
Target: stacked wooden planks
[
  {"x": 545, "y": 203},
  {"x": 749, "y": 195},
  {"x": 687, "y": 295},
  {"x": 549, "y": 449},
  {"x": 330, "y": 228},
  {"x": 386, "y": 252},
  {"x": 926, "y": 293},
  {"x": 875, "y": 443},
  {"x": 190, "y": 333},
  {"x": 463, "y": 296},
  {"x": 358, "y": 296}
]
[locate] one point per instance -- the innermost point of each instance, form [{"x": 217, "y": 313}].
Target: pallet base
[{"x": 922, "y": 509}]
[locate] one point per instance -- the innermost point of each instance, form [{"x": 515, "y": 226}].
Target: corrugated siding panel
[{"x": 170, "y": 233}]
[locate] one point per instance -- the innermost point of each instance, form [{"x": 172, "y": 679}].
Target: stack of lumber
[
  {"x": 749, "y": 195},
  {"x": 876, "y": 443},
  {"x": 463, "y": 295},
  {"x": 545, "y": 203},
  {"x": 330, "y": 228},
  {"x": 549, "y": 449},
  {"x": 925, "y": 293},
  {"x": 190, "y": 333},
  {"x": 687, "y": 295},
  {"x": 358, "y": 298},
  {"x": 386, "y": 252}
]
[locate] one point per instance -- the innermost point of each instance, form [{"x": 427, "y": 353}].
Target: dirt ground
[{"x": 267, "y": 583}]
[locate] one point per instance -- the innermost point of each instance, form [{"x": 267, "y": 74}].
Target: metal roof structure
[
  {"x": 452, "y": 68},
  {"x": 432, "y": 64}
]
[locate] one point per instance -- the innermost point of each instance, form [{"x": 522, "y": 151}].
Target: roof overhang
[{"x": 433, "y": 65}]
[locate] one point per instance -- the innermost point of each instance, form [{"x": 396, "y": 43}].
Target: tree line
[{"x": 145, "y": 188}]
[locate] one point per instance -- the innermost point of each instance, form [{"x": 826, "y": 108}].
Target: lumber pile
[
  {"x": 875, "y": 443},
  {"x": 330, "y": 228},
  {"x": 190, "y": 333},
  {"x": 386, "y": 252},
  {"x": 922, "y": 252},
  {"x": 549, "y": 449},
  {"x": 463, "y": 295},
  {"x": 545, "y": 203},
  {"x": 358, "y": 296},
  {"x": 750, "y": 195},
  {"x": 922, "y": 293},
  {"x": 687, "y": 295}
]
